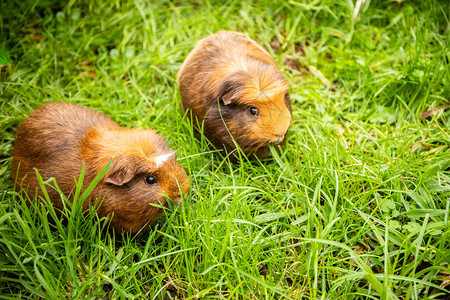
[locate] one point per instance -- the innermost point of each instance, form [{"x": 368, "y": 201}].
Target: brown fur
[
  {"x": 58, "y": 137},
  {"x": 223, "y": 77}
]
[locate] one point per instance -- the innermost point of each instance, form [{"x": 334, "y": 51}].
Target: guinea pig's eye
[
  {"x": 254, "y": 111},
  {"x": 150, "y": 179}
]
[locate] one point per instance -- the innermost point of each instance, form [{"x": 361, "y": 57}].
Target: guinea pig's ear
[
  {"x": 119, "y": 178},
  {"x": 118, "y": 175},
  {"x": 232, "y": 87},
  {"x": 229, "y": 97}
]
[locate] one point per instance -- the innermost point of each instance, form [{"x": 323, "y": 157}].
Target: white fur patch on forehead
[{"x": 159, "y": 160}]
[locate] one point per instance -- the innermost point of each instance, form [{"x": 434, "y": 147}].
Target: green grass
[{"x": 352, "y": 208}]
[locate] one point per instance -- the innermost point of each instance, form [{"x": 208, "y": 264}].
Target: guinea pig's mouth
[
  {"x": 276, "y": 140},
  {"x": 177, "y": 200},
  {"x": 259, "y": 145},
  {"x": 168, "y": 201},
  {"x": 264, "y": 143}
]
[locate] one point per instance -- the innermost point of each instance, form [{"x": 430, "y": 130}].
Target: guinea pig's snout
[
  {"x": 281, "y": 120},
  {"x": 179, "y": 188}
]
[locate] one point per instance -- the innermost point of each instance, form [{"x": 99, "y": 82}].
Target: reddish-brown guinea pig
[
  {"x": 58, "y": 137},
  {"x": 228, "y": 79}
]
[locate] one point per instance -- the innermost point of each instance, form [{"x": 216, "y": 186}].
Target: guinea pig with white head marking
[
  {"x": 58, "y": 137},
  {"x": 231, "y": 85}
]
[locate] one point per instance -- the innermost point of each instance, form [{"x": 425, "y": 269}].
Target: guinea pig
[
  {"x": 229, "y": 85},
  {"x": 59, "y": 137}
]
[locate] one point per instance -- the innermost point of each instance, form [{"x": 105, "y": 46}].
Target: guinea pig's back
[
  {"x": 220, "y": 50},
  {"x": 216, "y": 57},
  {"x": 238, "y": 46},
  {"x": 49, "y": 141},
  {"x": 56, "y": 128}
]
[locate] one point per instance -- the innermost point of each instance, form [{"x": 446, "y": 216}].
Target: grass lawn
[{"x": 356, "y": 206}]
